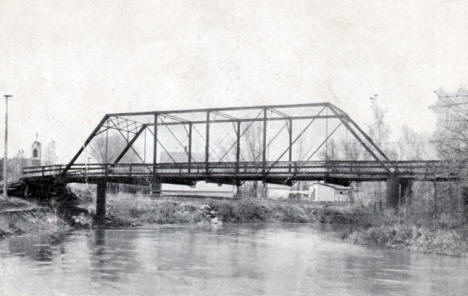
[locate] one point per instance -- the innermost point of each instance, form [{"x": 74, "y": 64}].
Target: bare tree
[
  {"x": 451, "y": 142},
  {"x": 115, "y": 145},
  {"x": 253, "y": 142}
]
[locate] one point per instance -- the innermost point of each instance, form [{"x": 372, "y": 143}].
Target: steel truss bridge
[{"x": 274, "y": 144}]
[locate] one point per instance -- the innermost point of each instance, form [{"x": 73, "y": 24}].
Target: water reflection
[
  {"x": 40, "y": 248},
  {"x": 111, "y": 254},
  {"x": 215, "y": 260}
]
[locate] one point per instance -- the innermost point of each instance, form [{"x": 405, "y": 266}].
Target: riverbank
[
  {"x": 385, "y": 229},
  {"x": 452, "y": 242},
  {"x": 18, "y": 216},
  {"x": 128, "y": 210},
  {"x": 374, "y": 229}
]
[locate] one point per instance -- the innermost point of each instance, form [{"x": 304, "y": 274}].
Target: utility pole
[{"x": 5, "y": 158}]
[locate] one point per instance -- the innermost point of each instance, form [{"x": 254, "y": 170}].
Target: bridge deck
[{"x": 230, "y": 173}]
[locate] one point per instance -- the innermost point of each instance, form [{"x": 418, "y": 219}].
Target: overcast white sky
[{"x": 69, "y": 62}]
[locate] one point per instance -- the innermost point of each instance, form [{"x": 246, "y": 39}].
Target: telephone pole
[{"x": 5, "y": 158}]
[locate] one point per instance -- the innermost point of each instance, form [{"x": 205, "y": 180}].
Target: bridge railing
[{"x": 323, "y": 168}]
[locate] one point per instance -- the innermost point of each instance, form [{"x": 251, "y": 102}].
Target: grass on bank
[
  {"x": 128, "y": 209},
  {"x": 412, "y": 228}
]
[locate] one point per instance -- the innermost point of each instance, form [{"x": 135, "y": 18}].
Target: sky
[{"x": 67, "y": 63}]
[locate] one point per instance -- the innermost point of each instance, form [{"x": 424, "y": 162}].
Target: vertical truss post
[
  {"x": 144, "y": 147},
  {"x": 264, "y": 141},
  {"x": 238, "y": 138},
  {"x": 290, "y": 144},
  {"x": 105, "y": 154},
  {"x": 155, "y": 186},
  {"x": 326, "y": 138},
  {"x": 190, "y": 148},
  {"x": 207, "y": 141}
]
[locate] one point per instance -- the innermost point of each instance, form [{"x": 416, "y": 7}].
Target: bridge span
[
  {"x": 273, "y": 144},
  {"x": 284, "y": 173}
]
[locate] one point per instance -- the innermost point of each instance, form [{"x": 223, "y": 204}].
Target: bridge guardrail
[{"x": 344, "y": 168}]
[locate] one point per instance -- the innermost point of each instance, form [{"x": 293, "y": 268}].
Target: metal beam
[
  {"x": 207, "y": 141},
  {"x": 274, "y": 110},
  {"x": 365, "y": 146},
  {"x": 203, "y": 110},
  {"x": 324, "y": 141},
  {"x": 155, "y": 148},
  {"x": 135, "y": 137},
  {"x": 90, "y": 137},
  {"x": 338, "y": 111},
  {"x": 254, "y": 119},
  {"x": 295, "y": 140},
  {"x": 264, "y": 139},
  {"x": 228, "y": 116},
  {"x": 238, "y": 138},
  {"x": 290, "y": 143},
  {"x": 176, "y": 118},
  {"x": 233, "y": 144},
  {"x": 126, "y": 140},
  {"x": 190, "y": 148}
]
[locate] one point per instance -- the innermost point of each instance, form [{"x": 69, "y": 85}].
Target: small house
[{"x": 326, "y": 192}]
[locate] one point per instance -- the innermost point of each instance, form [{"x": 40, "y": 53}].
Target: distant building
[
  {"x": 36, "y": 152},
  {"x": 312, "y": 191},
  {"x": 17, "y": 163},
  {"x": 320, "y": 191}
]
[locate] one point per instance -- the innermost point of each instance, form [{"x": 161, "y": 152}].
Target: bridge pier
[
  {"x": 406, "y": 191},
  {"x": 156, "y": 189},
  {"x": 464, "y": 202},
  {"x": 101, "y": 203},
  {"x": 392, "y": 196},
  {"x": 399, "y": 191}
]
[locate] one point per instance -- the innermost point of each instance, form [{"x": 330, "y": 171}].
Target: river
[{"x": 219, "y": 260}]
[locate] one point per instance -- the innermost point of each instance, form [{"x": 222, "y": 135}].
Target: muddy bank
[{"x": 18, "y": 217}]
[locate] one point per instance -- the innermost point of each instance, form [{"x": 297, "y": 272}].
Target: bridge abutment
[{"x": 101, "y": 203}]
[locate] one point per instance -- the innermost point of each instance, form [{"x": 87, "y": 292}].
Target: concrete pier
[
  {"x": 399, "y": 191},
  {"x": 101, "y": 203},
  {"x": 406, "y": 191},
  {"x": 392, "y": 196},
  {"x": 156, "y": 189}
]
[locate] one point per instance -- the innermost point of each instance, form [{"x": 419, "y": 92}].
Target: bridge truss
[{"x": 219, "y": 144}]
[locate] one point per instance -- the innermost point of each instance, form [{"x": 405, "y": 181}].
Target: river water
[{"x": 219, "y": 260}]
